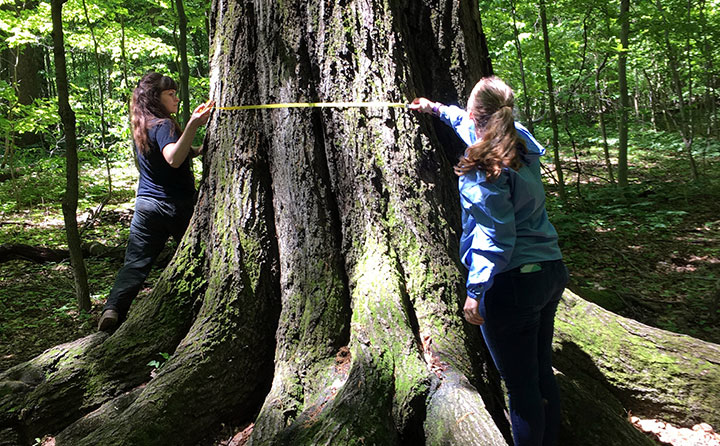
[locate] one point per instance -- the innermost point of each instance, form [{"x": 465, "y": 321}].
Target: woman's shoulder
[
  {"x": 534, "y": 148},
  {"x": 158, "y": 123},
  {"x": 162, "y": 127}
]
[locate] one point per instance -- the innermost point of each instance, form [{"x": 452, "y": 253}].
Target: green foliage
[
  {"x": 23, "y": 26},
  {"x": 133, "y": 38},
  {"x": 38, "y": 301},
  {"x": 648, "y": 251},
  {"x": 157, "y": 364},
  {"x": 583, "y": 36}
]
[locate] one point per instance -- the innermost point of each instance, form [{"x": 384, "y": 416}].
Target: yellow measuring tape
[{"x": 314, "y": 105}]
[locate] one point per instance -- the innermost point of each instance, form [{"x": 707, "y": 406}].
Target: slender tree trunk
[
  {"x": 652, "y": 100},
  {"x": 50, "y": 78},
  {"x": 85, "y": 63},
  {"x": 9, "y": 143},
  {"x": 123, "y": 57},
  {"x": 601, "y": 119},
  {"x": 685, "y": 124},
  {"x": 103, "y": 127},
  {"x": 622, "y": 83},
  {"x": 70, "y": 199},
  {"x": 73, "y": 64},
  {"x": 551, "y": 100},
  {"x": 184, "y": 68},
  {"x": 664, "y": 102},
  {"x": 109, "y": 86},
  {"x": 636, "y": 97},
  {"x": 526, "y": 93},
  {"x": 9, "y": 157},
  {"x": 688, "y": 56},
  {"x": 9, "y": 134},
  {"x": 710, "y": 91}
]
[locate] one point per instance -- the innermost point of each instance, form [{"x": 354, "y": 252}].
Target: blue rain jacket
[{"x": 505, "y": 224}]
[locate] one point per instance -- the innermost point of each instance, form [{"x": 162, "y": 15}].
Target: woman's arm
[
  {"x": 424, "y": 105},
  {"x": 176, "y": 153},
  {"x": 454, "y": 116}
]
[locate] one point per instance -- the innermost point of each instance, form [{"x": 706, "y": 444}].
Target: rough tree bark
[{"x": 317, "y": 292}]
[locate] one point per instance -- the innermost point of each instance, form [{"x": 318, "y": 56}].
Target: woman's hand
[
  {"x": 424, "y": 105},
  {"x": 471, "y": 311},
  {"x": 176, "y": 153},
  {"x": 201, "y": 114}
]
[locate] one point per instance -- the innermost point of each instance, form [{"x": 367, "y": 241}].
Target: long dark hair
[
  {"x": 146, "y": 109},
  {"x": 491, "y": 103}
]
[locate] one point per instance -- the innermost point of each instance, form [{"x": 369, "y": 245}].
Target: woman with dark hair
[
  {"x": 166, "y": 189},
  {"x": 515, "y": 273}
]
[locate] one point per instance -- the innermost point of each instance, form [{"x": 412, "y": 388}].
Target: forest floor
[{"x": 650, "y": 252}]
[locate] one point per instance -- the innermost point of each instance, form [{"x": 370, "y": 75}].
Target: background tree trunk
[
  {"x": 70, "y": 198},
  {"x": 622, "y": 170},
  {"x": 551, "y": 102},
  {"x": 101, "y": 105},
  {"x": 685, "y": 114},
  {"x": 601, "y": 120},
  {"x": 317, "y": 292},
  {"x": 184, "y": 67},
  {"x": 526, "y": 94}
]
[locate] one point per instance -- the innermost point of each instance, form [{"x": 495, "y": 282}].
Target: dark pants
[
  {"x": 153, "y": 222},
  {"x": 519, "y": 312}
]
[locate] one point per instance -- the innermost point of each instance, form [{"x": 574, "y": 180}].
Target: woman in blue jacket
[
  {"x": 166, "y": 189},
  {"x": 515, "y": 273}
]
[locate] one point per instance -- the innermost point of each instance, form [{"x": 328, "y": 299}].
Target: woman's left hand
[
  {"x": 176, "y": 153},
  {"x": 471, "y": 311},
  {"x": 201, "y": 114}
]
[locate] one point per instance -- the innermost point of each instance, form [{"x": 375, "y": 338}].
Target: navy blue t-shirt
[{"x": 158, "y": 179}]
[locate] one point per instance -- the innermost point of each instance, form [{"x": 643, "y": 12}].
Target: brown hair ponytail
[{"x": 498, "y": 146}]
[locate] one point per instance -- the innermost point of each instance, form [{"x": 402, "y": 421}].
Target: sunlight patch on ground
[{"x": 700, "y": 435}]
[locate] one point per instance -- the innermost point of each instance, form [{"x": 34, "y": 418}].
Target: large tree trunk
[
  {"x": 317, "y": 293},
  {"x": 652, "y": 372}
]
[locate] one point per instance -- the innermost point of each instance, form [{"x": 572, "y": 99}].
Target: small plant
[{"x": 157, "y": 364}]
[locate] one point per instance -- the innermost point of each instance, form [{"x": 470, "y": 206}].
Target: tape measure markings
[{"x": 314, "y": 105}]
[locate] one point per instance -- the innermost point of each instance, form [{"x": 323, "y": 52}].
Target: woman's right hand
[
  {"x": 471, "y": 311},
  {"x": 424, "y": 105}
]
